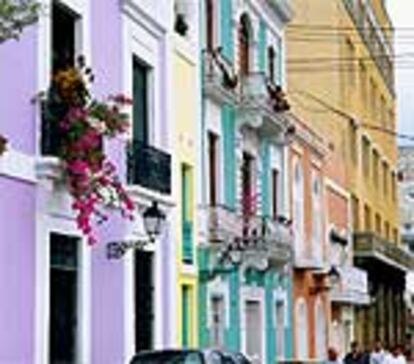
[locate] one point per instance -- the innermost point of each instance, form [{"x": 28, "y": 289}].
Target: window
[
  {"x": 353, "y": 143},
  {"x": 375, "y": 167},
  {"x": 213, "y": 167},
  {"x": 275, "y": 189},
  {"x": 64, "y": 312},
  {"x": 321, "y": 328},
  {"x": 254, "y": 330},
  {"x": 280, "y": 330},
  {"x": 355, "y": 213},
  {"x": 211, "y": 31},
  {"x": 140, "y": 101},
  {"x": 350, "y": 55},
  {"x": 63, "y": 37},
  {"x": 301, "y": 315},
  {"x": 244, "y": 44},
  {"x": 387, "y": 230},
  {"x": 395, "y": 235},
  {"x": 218, "y": 321},
  {"x": 378, "y": 224},
  {"x": 187, "y": 213},
  {"x": 367, "y": 218},
  {"x": 248, "y": 197},
  {"x": 317, "y": 239},
  {"x": 271, "y": 57},
  {"x": 383, "y": 120},
  {"x": 366, "y": 151},
  {"x": 385, "y": 176},
  {"x": 363, "y": 83},
  {"x": 186, "y": 315},
  {"x": 393, "y": 186},
  {"x": 144, "y": 301},
  {"x": 298, "y": 206}
]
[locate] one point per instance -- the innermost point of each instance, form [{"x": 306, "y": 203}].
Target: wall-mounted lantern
[
  {"x": 325, "y": 280},
  {"x": 154, "y": 220}
]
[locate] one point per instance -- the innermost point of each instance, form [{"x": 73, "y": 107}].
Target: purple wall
[
  {"x": 107, "y": 276},
  {"x": 17, "y": 271},
  {"x": 17, "y": 202},
  {"x": 18, "y": 86}
]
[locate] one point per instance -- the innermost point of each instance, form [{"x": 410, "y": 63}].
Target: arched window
[
  {"x": 320, "y": 326},
  {"x": 298, "y": 207},
  {"x": 317, "y": 236},
  {"x": 210, "y": 24},
  {"x": 244, "y": 44},
  {"x": 301, "y": 313},
  {"x": 271, "y": 55}
]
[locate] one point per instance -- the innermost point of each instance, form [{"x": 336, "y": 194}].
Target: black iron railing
[{"x": 149, "y": 167}]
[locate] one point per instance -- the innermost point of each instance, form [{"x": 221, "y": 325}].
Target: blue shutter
[
  {"x": 226, "y": 36},
  {"x": 229, "y": 155},
  {"x": 262, "y": 46}
]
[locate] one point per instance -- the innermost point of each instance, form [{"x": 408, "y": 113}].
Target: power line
[
  {"x": 349, "y": 117},
  {"x": 349, "y": 59}
]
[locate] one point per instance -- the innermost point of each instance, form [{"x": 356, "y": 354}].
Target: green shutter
[
  {"x": 226, "y": 28},
  {"x": 262, "y": 46},
  {"x": 187, "y": 224},
  {"x": 229, "y": 151},
  {"x": 185, "y": 316}
]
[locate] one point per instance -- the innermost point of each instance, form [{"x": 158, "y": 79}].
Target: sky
[{"x": 402, "y": 15}]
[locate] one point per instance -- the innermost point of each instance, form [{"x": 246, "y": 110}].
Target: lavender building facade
[{"x": 64, "y": 300}]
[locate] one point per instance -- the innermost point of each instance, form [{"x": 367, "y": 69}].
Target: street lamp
[
  {"x": 333, "y": 276},
  {"x": 154, "y": 220}
]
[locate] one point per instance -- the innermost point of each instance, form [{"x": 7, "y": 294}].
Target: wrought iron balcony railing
[
  {"x": 369, "y": 245},
  {"x": 149, "y": 167},
  {"x": 220, "y": 80},
  {"x": 283, "y": 8},
  {"x": 223, "y": 224}
]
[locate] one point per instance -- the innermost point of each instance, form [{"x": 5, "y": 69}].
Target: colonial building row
[{"x": 272, "y": 215}]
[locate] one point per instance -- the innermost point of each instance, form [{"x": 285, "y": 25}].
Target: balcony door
[
  {"x": 64, "y": 312},
  {"x": 140, "y": 101},
  {"x": 247, "y": 172},
  {"x": 244, "y": 44},
  {"x": 254, "y": 330},
  {"x": 144, "y": 301}
]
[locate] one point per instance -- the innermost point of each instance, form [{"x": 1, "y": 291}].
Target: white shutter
[{"x": 302, "y": 350}]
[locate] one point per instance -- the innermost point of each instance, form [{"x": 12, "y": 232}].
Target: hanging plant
[
  {"x": 3, "y": 144},
  {"x": 83, "y": 122},
  {"x": 14, "y": 16}
]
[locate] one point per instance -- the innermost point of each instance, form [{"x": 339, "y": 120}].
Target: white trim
[
  {"x": 256, "y": 294},
  {"x": 330, "y": 183},
  {"x": 47, "y": 224},
  {"x": 129, "y": 316},
  {"x": 15, "y": 164}
]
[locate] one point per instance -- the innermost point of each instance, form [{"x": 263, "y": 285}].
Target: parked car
[{"x": 188, "y": 356}]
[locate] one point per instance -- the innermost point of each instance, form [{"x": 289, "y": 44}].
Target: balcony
[
  {"x": 149, "y": 167},
  {"x": 352, "y": 287},
  {"x": 278, "y": 241},
  {"x": 223, "y": 224},
  {"x": 262, "y": 104},
  {"x": 368, "y": 245},
  {"x": 283, "y": 8},
  {"x": 220, "y": 80}
]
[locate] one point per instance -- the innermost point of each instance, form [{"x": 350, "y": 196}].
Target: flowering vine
[{"x": 82, "y": 122}]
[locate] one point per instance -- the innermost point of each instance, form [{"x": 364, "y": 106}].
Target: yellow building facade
[
  {"x": 185, "y": 110},
  {"x": 341, "y": 82}
]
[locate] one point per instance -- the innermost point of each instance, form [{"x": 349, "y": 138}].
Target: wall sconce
[
  {"x": 332, "y": 276},
  {"x": 154, "y": 220}
]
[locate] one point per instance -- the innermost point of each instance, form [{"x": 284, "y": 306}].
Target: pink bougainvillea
[{"x": 83, "y": 122}]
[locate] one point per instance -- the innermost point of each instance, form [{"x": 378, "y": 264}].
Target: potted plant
[{"x": 3, "y": 144}]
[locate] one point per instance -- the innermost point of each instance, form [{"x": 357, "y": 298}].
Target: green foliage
[{"x": 15, "y": 15}]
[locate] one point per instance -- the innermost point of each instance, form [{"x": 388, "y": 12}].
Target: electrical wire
[{"x": 349, "y": 117}]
